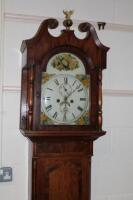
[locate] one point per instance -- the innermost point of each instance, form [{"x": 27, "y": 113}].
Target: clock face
[{"x": 64, "y": 99}]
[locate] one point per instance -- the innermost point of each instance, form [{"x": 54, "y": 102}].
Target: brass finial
[{"x": 68, "y": 21}]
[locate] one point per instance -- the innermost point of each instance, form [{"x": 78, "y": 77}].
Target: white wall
[{"x": 112, "y": 164}]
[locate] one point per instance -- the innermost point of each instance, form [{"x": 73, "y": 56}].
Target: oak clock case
[{"x": 61, "y": 109}]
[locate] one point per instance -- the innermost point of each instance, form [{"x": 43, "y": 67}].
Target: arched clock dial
[{"x": 64, "y": 99}]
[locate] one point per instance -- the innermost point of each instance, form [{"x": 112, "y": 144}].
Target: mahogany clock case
[
  {"x": 61, "y": 162},
  {"x": 39, "y": 50}
]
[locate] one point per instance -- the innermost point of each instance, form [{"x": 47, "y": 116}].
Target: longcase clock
[{"x": 61, "y": 108}]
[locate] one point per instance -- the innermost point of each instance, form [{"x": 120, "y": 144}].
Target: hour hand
[
  {"x": 64, "y": 117},
  {"x": 65, "y": 90}
]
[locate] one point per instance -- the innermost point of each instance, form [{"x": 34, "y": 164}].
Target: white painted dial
[{"x": 64, "y": 99}]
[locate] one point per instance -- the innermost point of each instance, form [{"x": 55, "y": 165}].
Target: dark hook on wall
[{"x": 101, "y": 25}]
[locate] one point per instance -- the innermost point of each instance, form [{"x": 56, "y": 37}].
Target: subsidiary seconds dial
[{"x": 64, "y": 99}]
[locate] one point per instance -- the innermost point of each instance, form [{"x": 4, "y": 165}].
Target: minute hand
[{"x": 72, "y": 91}]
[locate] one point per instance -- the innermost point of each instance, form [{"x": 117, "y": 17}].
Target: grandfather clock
[{"x": 61, "y": 108}]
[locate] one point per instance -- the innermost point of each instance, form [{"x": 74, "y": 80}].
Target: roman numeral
[
  {"x": 82, "y": 99},
  {"x": 47, "y": 98},
  {"x": 64, "y": 117},
  {"x": 65, "y": 80},
  {"x": 48, "y": 108},
  {"x": 56, "y": 82},
  {"x": 78, "y": 86},
  {"x": 79, "y": 108},
  {"x": 73, "y": 115},
  {"x": 80, "y": 90},
  {"x": 74, "y": 82},
  {"x": 55, "y": 115},
  {"x": 50, "y": 89}
]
